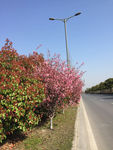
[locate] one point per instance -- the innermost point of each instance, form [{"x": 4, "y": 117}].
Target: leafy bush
[{"x": 20, "y": 92}]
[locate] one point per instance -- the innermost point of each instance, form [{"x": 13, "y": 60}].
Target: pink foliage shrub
[{"x": 63, "y": 85}]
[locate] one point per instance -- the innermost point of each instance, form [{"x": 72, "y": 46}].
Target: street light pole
[
  {"x": 67, "y": 51},
  {"x": 65, "y": 20}
]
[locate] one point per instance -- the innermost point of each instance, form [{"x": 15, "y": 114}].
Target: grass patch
[{"x": 60, "y": 138}]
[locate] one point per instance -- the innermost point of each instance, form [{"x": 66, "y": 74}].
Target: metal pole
[
  {"x": 65, "y": 20},
  {"x": 67, "y": 51}
]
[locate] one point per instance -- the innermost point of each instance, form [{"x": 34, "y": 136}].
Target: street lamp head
[
  {"x": 51, "y": 19},
  {"x": 77, "y": 14}
]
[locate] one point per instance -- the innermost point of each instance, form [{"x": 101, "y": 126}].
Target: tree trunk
[
  {"x": 51, "y": 122},
  {"x": 63, "y": 110}
]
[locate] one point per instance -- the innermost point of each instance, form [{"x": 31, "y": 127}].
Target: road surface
[{"x": 99, "y": 109}]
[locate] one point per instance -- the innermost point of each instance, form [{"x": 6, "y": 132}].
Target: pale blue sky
[{"x": 90, "y": 36}]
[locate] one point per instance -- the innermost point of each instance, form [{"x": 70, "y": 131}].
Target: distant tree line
[{"x": 103, "y": 87}]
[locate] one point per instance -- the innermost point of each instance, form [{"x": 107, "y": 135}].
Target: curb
[{"x": 75, "y": 139}]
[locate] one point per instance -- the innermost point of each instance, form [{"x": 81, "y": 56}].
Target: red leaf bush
[{"x": 20, "y": 92}]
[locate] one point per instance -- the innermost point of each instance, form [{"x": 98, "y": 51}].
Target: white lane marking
[{"x": 92, "y": 141}]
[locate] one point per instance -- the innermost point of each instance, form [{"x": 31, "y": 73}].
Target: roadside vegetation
[
  {"x": 33, "y": 89},
  {"x": 103, "y": 87},
  {"x": 58, "y": 139}
]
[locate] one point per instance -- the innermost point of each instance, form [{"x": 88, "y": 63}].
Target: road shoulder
[{"x": 84, "y": 138}]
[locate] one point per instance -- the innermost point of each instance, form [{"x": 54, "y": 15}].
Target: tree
[{"x": 63, "y": 85}]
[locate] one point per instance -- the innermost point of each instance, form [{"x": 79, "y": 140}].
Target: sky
[{"x": 90, "y": 35}]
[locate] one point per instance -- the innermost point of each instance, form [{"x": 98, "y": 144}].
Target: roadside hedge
[
  {"x": 20, "y": 92},
  {"x": 33, "y": 88}
]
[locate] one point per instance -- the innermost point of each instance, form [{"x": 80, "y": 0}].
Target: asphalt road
[{"x": 99, "y": 109}]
